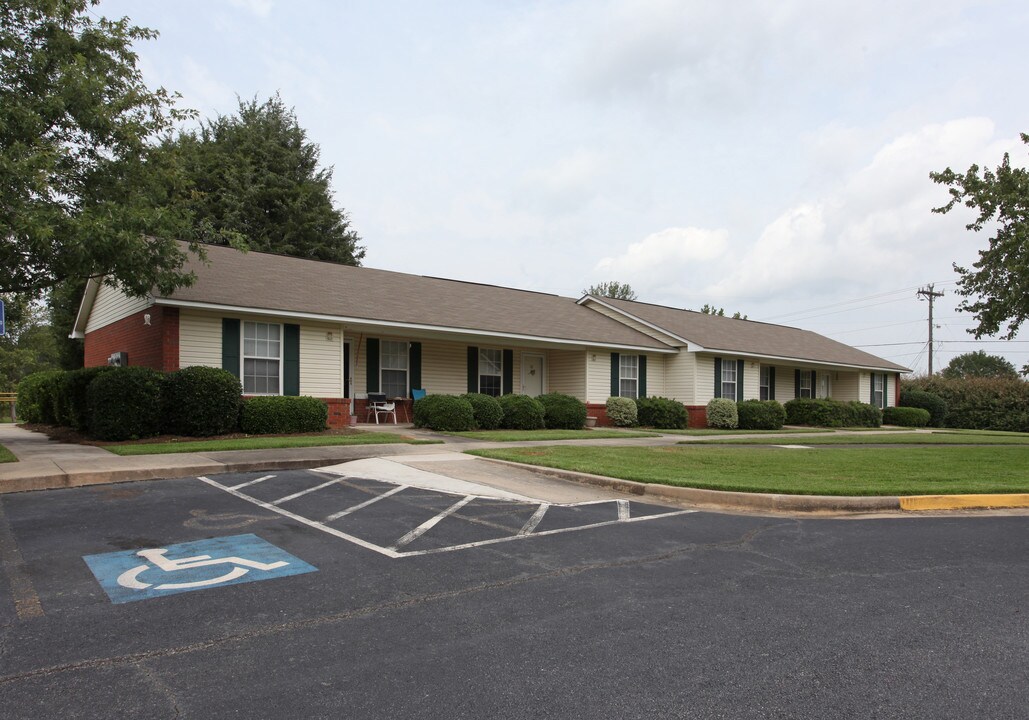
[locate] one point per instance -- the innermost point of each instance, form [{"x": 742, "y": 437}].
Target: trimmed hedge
[
  {"x": 445, "y": 413},
  {"x": 622, "y": 412},
  {"x": 200, "y": 401},
  {"x": 980, "y": 403},
  {"x": 722, "y": 413},
  {"x": 124, "y": 403},
  {"x": 562, "y": 412},
  {"x": 933, "y": 403},
  {"x": 522, "y": 412},
  {"x": 659, "y": 412},
  {"x": 281, "y": 414},
  {"x": 822, "y": 412},
  {"x": 906, "y": 416},
  {"x": 486, "y": 410},
  {"x": 72, "y": 397},
  {"x": 761, "y": 415},
  {"x": 36, "y": 396}
]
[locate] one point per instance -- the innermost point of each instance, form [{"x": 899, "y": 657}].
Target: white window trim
[
  {"x": 880, "y": 379},
  {"x": 630, "y": 379},
  {"x": 243, "y": 357},
  {"x": 764, "y": 382},
  {"x": 805, "y": 376},
  {"x": 406, "y": 369},
  {"x": 499, "y": 374},
  {"x": 729, "y": 365}
]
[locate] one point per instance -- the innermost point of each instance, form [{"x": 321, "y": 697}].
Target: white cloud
[
  {"x": 665, "y": 259},
  {"x": 260, "y": 8}
]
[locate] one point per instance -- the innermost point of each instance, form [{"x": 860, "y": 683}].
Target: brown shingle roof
[
  {"x": 748, "y": 336},
  {"x": 277, "y": 283}
]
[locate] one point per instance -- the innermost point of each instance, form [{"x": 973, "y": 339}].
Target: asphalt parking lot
[{"x": 300, "y": 594}]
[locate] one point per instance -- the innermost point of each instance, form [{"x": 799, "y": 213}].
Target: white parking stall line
[
  {"x": 509, "y": 538},
  {"x": 532, "y": 522},
  {"x": 251, "y": 482},
  {"x": 295, "y": 495},
  {"x": 301, "y": 519},
  {"x": 366, "y": 503},
  {"x": 428, "y": 524},
  {"x": 623, "y": 510}
]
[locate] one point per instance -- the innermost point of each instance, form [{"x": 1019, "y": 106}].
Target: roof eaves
[
  {"x": 593, "y": 298},
  {"x": 811, "y": 361},
  {"x": 78, "y": 329}
]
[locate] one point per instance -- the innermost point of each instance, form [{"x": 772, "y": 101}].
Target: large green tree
[
  {"x": 28, "y": 345},
  {"x": 978, "y": 364},
  {"x": 256, "y": 179},
  {"x": 611, "y": 289},
  {"x": 996, "y": 288},
  {"x": 85, "y": 191},
  {"x": 720, "y": 312}
]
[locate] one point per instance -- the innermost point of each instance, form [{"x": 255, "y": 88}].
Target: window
[
  {"x": 393, "y": 368},
  {"x": 766, "y": 383},
  {"x": 628, "y": 375},
  {"x": 729, "y": 379},
  {"x": 491, "y": 365},
  {"x": 877, "y": 389},
  {"x": 805, "y": 384},
  {"x": 262, "y": 353}
]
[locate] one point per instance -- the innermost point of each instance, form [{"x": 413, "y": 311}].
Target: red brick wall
[
  {"x": 697, "y": 416},
  {"x": 599, "y": 411},
  {"x": 155, "y": 345},
  {"x": 339, "y": 412}
]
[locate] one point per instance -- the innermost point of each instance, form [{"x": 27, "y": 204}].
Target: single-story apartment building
[{"x": 292, "y": 326}]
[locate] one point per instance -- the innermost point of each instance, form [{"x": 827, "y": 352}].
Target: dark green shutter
[
  {"x": 473, "y": 369},
  {"x": 871, "y": 388},
  {"x": 615, "y": 371},
  {"x": 796, "y": 383},
  {"x": 814, "y": 383},
  {"x": 290, "y": 359},
  {"x": 415, "y": 365},
  {"x": 771, "y": 383},
  {"x": 508, "y": 377},
  {"x": 642, "y": 392},
  {"x": 371, "y": 383},
  {"x": 718, "y": 377},
  {"x": 230, "y": 345},
  {"x": 739, "y": 380}
]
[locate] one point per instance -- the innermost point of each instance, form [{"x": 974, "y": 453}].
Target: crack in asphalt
[{"x": 384, "y": 607}]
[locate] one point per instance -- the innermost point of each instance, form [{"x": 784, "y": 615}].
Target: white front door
[{"x": 532, "y": 374}]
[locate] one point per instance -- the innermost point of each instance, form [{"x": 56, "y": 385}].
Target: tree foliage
[
  {"x": 978, "y": 364},
  {"x": 256, "y": 180},
  {"x": 28, "y": 346},
  {"x": 611, "y": 289},
  {"x": 996, "y": 288},
  {"x": 84, "y": 192},
  {"x": 720, "y": 312}
]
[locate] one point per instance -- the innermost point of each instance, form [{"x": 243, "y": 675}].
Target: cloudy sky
[{"x": 766, "y": 157}]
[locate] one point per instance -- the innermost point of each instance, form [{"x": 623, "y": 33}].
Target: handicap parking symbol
[{"x": 154, "y": 572}]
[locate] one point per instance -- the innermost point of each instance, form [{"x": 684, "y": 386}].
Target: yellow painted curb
[{"x": 957, "y": 502}]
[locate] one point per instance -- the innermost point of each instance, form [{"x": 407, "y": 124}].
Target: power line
[{"x": 851, "y": 302}]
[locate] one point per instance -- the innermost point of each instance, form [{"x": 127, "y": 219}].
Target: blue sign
[{"x": 143, "y": 574}]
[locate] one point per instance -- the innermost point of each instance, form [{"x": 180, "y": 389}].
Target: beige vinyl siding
[
  {"x": 680, "y": 376},
  {"x": 751, "y": 380},
  {"x": 111, "y": 305},
  {"x": 566, "y": 372},
  {"x": 846, "y": 387},
  {"x": 785, "y": 383},
  {"x": 657, "y": 376},
  {"x": 634, "y": 324},
  {"x": 200, "y": 339},
  {"x": 598, "y": 376},
  {"x": 321, "y": 357},
  {"x": 704, "y": 380}
]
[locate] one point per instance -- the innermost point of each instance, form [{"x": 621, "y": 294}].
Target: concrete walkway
[{"x": 46, "y": 464}]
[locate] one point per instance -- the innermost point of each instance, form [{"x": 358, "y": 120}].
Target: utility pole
[{"x": 930, "y": 295}]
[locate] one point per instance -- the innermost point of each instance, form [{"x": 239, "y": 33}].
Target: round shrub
[
  {"x": 761, "y": 415},
  {"x": 522, "y": 412},
  {"x": 72, "y": 403},
  {"x": 622, "y": 411},
  {"x": 282, "y": 414},
  {"x": 562, "y": 412},
  {"x": 445, "y": 413},
  {"x": 906, "y": 416},
  {"x": 832, "y": 413},
  {"x": 661, "y": 412},
  {"x": 486, "y": 410},
  {"x": 863, "y": 414},
  {"x": 124, "y": 403},
  {"x": 200, "y": 401},
  {"x": 36, "y": 396},
  {"x": 933, "y": 403},
  {"x": 721, "y": 413}
]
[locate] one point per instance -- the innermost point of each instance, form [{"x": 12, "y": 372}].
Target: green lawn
[
  {"x": 825, "y": 471},
  {"x": 907, "y": 438},
  {"x": 263, "y": 443},
  {"x": 718, "y": 431},
  {"x": 522, "y": 435},
  {"x": 6, "y": 455}
]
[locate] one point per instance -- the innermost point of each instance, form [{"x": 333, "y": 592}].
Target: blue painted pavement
[{"x": 217, "y": 562}]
